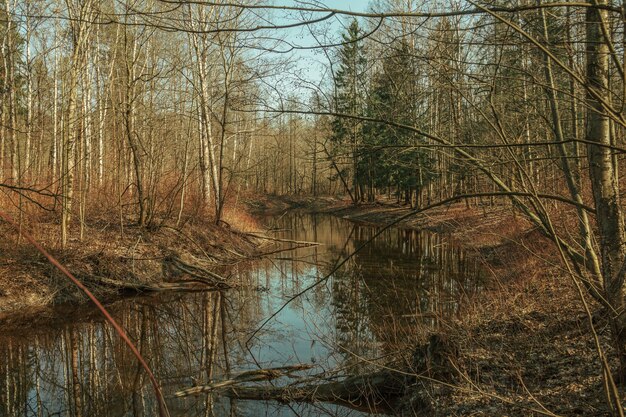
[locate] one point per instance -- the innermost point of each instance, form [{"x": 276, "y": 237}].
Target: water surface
[{"x": 403, "y": 281}]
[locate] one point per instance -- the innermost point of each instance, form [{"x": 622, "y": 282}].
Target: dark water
[{"x": 399, "y": 285}]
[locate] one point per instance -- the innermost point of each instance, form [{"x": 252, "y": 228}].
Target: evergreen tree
[
  {"x": 349, "y": 99},
  {"x": 390, "y": 161}
]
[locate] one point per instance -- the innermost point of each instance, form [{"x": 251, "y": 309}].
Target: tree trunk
[
  {"x": 129, "y": 119},
  {"x": 604, "y": 186},
  {"x": 69, "y": 146}
]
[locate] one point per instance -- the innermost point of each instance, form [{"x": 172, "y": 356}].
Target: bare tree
[{"x": 81, "y": 14}]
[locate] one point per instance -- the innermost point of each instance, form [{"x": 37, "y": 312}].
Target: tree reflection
[{"x": 80, "y": 368}]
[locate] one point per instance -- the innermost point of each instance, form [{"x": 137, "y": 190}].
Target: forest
[{"x": 428, "y": 195}]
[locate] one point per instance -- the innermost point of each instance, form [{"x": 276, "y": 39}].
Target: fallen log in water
[
  {"x": 377, "y": 390},
  {"x": 374, "y": 391},
  {"x": 385, "y": 390},
  {"x": 138, "y": 287},
  {"x": 301, "y": 243},
  {"x": 256, "y": 375}
]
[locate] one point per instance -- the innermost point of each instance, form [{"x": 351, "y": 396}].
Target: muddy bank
[{"x": 115, "y": 261}]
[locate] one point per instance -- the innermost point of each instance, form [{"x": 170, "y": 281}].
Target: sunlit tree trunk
[
  {"x": 29, "y": 93},
  {"x": 81, "y": 13},
  {"x": 137, "y": 151},
  {"x": 54, "y": 152},
  {"x": 4, "y": 103},
  {"x": 10, "y": 87},
  {"x": 199, "y": 20}
]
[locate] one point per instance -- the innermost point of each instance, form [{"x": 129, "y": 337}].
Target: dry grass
[{"x": 243, "y": 220}]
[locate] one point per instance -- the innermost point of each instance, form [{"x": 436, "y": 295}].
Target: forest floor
[
  {"x": 115, "y": 260},
  {"x": 524, "y": 346}
]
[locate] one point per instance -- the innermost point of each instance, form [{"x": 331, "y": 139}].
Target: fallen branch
[
  {"x": 276, "y": 239},
  {"x": 385, "y": 389},
  {"x": 186, "y": 285},
  {"x": 177, "y": 266},
  {"x": 230, "y": 251},
  {"x": 376, "y": 391},
  {"x": 268, "y": 374},
  {"x": 272, "y": 252}
]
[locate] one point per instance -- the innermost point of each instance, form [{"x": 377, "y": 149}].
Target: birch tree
[{"x": 81, "y": 14}]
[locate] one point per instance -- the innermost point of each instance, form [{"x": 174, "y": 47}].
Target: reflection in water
[{"x": 402, "y": 279}]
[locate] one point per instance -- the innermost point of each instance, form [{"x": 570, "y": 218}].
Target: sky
[{"x": 310, "y": 66}]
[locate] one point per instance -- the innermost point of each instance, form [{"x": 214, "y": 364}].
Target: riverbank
[
  {"x": 116, "y": 259},
  {"x": 524, "y": 346}
]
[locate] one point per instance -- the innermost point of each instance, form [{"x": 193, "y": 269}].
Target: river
[{"x": 397, "y": 287}]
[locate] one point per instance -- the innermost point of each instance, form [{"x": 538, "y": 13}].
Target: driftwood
[
  {"x": 298, "y": 244},
  {"x": 302, "y": 243}
]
